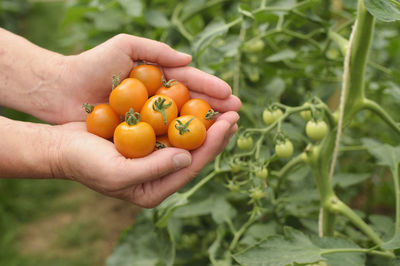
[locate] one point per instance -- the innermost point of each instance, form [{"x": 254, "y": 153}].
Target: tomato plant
[
  {"x": 130, "y": 93},
  {"x": 200, "y": 109},
  {"x": 186, "y": 132},
  {"x": 133, "y": 138},
  {"x": 101, "y": 120},
  {"x": 150, "y": 75},
  {"x": 159, "y": 111},
  {"x": 176, "y": 90},
  {"x": 332, "y": 201}
]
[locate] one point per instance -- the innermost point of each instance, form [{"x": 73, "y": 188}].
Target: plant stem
[
  {"x": 397, "y": 194},
  {"x": 200, "y": 184},
  {"x": 359, "y": 48},
  {"x": 377, "y": 109},
  {"x": 340, "y": 207},
  {"x": 358, "y": 250},
  {"x": 237, "y": 65},
  {"x": 241, "y": 231}
]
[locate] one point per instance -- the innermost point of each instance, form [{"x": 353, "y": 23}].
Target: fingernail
[
  {"x": 184, "y": 54},
  {"x": 182, "y": 160}
]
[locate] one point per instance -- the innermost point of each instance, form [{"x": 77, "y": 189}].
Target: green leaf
[
  {"x": 107, "y": 20},
  {"x": 157, "y": 19},
  {"x": 385, "y": 154},
  {"x": 293, "y": 247},
  {"x": 165, "y": 210},
  {"x": 213, "y": 30},
  {"x": 385, "y": 10},
  {"x": 133, "y": 8},
  {"x": 345, "y": 180},
  {"x": 339, "y": 259},
  {"x": 222, "y": 210},
  {"x": 196, "y": 208},
  {"x": 144, "y": 245},
  {"x": 281, "y": 56},
  {"x": 394, "y": 243},
  {"x": 383, "y": 224}
]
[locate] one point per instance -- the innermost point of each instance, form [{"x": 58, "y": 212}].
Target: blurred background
[{"x": 58, "y": 222}]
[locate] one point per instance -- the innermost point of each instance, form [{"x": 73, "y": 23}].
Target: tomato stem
[
  {"x": 132, "y": 118},
  {"x": 183, "y": 128},
  {"x": 160, "y": 106},
  {"x": 88, "y": 107},
  {"x": 170, "y": 83},
  {"x": 116, "y": 80},
  {"x": 210, "y": 114}
]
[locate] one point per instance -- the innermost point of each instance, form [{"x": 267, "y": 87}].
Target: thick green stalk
[
  {"x": 358, "y": 49},
  {"x": 351, "y": 103}
]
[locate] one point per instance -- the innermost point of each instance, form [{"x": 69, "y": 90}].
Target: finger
[
  {"x": 152, "y": 51},
  {"x": 157, "y": 164},
  {"x": 199, "y": 81},
  {"x": 152, "y": 193},
  {"x": 232, "y": 103},
  {"x": 228, "y": 136}
]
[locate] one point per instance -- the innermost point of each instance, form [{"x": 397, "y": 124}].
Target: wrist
[{"x": 29, "y": 150}]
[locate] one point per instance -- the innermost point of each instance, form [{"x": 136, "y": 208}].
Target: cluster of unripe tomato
[
  {"x": 150, "y": 107},
  {"x": 316, "y": 129}
]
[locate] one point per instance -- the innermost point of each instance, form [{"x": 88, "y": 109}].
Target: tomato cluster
[{"x": 157, "y": 113}]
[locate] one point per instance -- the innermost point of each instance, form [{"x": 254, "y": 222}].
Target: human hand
[
  {"x": 87, "y": 76},
  {"x": 94, "y": 162}
]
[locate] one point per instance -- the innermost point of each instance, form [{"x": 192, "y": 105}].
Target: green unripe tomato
[
  {"x": 270, "y": 117},
  {"x": 257, "y": 194},
  {"x": 284, "y": 149},
  {"x": 253, "y": 58},
  {"x": 262, "y": 173},
  {"x": 245, "y": 143},
  {"x": 255, "y": 46},
  {"x": 306, "y": 115},
  {"x": 316, "y": 130}
]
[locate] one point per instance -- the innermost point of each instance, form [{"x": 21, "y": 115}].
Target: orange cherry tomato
[
  {"x": 130, "y": 93},
  {"x": 150, "y": 75},
  {"x": 162, "y": 142},
  {"x": 134, "y": 139},
  {"x": 200, "y": 109},
  {"x": 187, "y": 132},
  {"x": 159, "y": 111},
  {"x": 101, "y": 120},
  {"x": 177, "y": 91}
]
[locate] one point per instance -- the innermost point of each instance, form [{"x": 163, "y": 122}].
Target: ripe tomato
[
  {"x": 159, "y": 111},
  {"x": 244, "y": 143},
  {"x": 101, "y": 120},
  {"x": 175, "y": 90},
  {"x": 316, "y": 130},
  {"x": 130, "y": 93},
  {"x": 162, "y": 142},
  {"x": 134, "y": 139},
  {"x": 150, "y": 75},
  {"x": 284, "y": 149},
  {"x": 270, "y": 117},
  {"x": 187, "y": 132},
  {"x": 200, "y": 109}
]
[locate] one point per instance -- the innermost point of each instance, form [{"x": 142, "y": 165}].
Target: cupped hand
[
  {"x": 147, "y": 181},
  {"x": 87, "y": 77}
]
